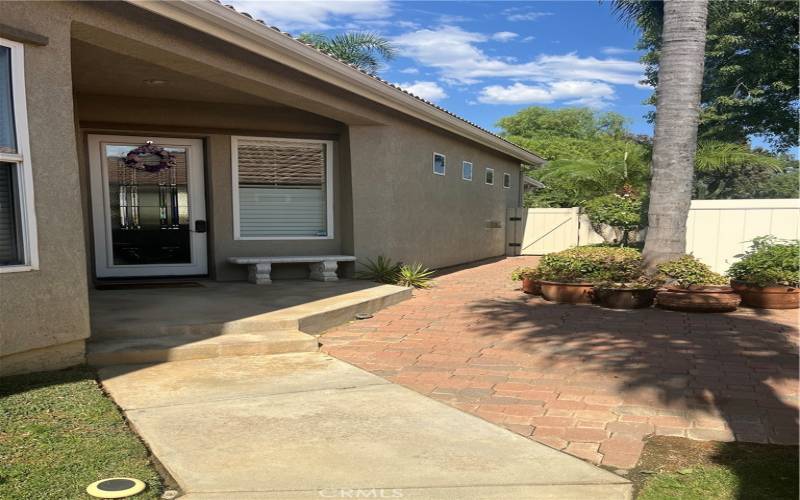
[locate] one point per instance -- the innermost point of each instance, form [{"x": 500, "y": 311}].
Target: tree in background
[
  {"x": 592, "y": 154},
  {"x": 750, "y": 86},
  {"x": 366, "y": 51},
  {"x": 680, "y": 79},
  {"x": 733, "y": 171}
]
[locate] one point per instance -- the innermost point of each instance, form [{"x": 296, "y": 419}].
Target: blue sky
[{"x": 486, "y": 60}]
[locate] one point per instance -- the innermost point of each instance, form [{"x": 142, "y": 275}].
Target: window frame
[
  {"x": 444, "y": 163},
  {"x": 471, "y": 170},
  {"x": 486, "y": 176},
  {"x": 22, "y": 158},
  {"x": 506, "y": 175},
  {"x": 329, "y": 216}
]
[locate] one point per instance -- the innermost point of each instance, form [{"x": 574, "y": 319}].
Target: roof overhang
[{"x": 227, "y": 24}]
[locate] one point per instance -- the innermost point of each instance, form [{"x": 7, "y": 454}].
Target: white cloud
[
  {"x": 614, "y": 51},
  {"x": 409, "y": 71},
  {"x": 455, "y": 54},
  {"x": 524, "y": 14},
  {"x": 577, "y": 92},
  {"x": 427, "y": 90},
  {"x": 312, "y": 14},
  {"x": 504, "y": 36},
  {"x": 528, "y": 38}
]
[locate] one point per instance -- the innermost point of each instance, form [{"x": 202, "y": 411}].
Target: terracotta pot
[
  {"x": 768, "y": 297},
  {"x": 625, "y": 298},
  {"x": 531, "y": 286},
  {"x": 698, "y": 299},
  {"x": 567, "y": 293}
]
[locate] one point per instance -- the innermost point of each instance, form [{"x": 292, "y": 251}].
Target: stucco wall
[
  {"x": 43, "y": 310},
  {"x": 402, "y": 210}
]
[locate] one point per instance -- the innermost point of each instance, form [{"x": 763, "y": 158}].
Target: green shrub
[
  {"x": 622, "y": 212},
  {"x": 521, "y": 273},
  {"x": 414, "y": 275},
  {"x": 382, "y": 270},
  {"x": 591, "y": 265},
  {"x": 687, "y": 271},
  {"x": 769, "y": 261}
]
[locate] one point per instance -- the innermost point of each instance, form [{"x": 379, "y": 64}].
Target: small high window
[
  {"x": 507, "y": 180},
  {"x": 466, "y": 171},
  {"x": 439, "y": 164},
  {"x": 490, "y": 176}
]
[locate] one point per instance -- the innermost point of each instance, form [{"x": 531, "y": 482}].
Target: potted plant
[
  {"x": 690, "y": 285},
  {"x": 768, "y": 275},
  {"x": 630, "y": 294},
  {"x": 569, "y": 276},
  {"x": 530, "y": 279}
]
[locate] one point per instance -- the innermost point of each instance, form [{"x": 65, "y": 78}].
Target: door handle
[{"x": 200, "y": 226}]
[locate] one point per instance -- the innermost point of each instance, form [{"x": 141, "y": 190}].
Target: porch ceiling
[{"x": 98, "y": 71}]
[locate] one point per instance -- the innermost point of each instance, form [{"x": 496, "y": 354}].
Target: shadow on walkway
[{"x": 740, "y": 367}]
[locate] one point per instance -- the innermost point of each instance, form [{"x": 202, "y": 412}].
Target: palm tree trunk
[{"x": 680, "y": 78}]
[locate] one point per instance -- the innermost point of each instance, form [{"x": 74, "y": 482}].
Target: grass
[
  {"x": 681, "y": 469},
  {"x": 59, "y": 433}
]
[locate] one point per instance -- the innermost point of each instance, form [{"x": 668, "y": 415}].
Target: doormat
[{"x": 146, "y": 284}]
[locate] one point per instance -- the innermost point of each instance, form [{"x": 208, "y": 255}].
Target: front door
[{"x": 148, "y": 206}]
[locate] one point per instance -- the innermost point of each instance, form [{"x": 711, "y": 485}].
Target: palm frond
[
  {"x": 642, "y": 13},
  {"x": 363, "y": 50},
  {"x": 715, "y": 156}
]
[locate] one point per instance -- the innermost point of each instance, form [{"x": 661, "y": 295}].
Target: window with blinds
[{"x": 283, "y": 188}]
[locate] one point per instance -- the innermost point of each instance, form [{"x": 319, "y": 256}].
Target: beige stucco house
[{"x": 160, "y": 139}]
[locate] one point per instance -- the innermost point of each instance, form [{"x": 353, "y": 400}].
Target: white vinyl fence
[{"x": 716, "y": 231}]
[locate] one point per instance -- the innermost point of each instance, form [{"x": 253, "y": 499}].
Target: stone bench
[{"x": 323, "y": 267}]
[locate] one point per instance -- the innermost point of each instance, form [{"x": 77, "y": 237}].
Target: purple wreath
[{"x": 137, "y": 158}]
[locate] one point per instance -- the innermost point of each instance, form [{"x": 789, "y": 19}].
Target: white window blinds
[{"x": 282, "y": 188}]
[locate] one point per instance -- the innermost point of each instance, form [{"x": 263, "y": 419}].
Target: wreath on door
[{"x": 150, "y": 158}]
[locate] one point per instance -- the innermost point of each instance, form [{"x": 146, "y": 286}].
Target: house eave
[{"x": 229, "y": 25}]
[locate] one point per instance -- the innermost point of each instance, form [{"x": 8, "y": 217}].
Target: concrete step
[
  {"x": 125, "y": 351},
  {"x": 234, "y": 309}
]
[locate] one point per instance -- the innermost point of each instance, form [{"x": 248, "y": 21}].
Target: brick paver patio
[{"x": 590, "y": 381}]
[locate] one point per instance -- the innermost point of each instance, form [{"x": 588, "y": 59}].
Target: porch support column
[
  {"x": 260, "y": 273},
  {"x": 323, "y": 271}
]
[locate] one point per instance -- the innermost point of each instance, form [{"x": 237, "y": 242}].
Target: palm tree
[
  {"x": 680, "y": 78},
  {"x": 363, "y": 50}
]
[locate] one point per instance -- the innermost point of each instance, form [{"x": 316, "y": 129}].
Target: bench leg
[
  {"x": 259, "y": 273},
  {"x": 323, "y": 271}
]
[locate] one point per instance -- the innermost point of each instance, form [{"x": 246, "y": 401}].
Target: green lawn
[
  {"x": 680, "y": 469},
  {"x": 59, "y": 433}
]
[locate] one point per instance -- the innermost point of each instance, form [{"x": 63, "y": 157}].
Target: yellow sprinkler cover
[{"x": 115, "y": 487}]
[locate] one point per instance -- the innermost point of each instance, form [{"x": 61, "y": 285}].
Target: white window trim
[
  {"x": 484, "y": 176},
  {"x": 444, "y": 157},
  {"x": 30, "y": 244},
  {"x": 506, "y": 175},
  {"x": 471, "y": 170},
  {"x": 235, "y": 185}
]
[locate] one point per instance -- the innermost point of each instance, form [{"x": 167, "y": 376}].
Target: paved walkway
[
  {"x": 590, "y": 381},
  {"x": 310, "y": 426}
]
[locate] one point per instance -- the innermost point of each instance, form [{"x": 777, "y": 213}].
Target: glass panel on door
[{"x": 149, "y": 206}]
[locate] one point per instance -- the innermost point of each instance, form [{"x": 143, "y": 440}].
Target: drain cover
[{"x": 115, "y": 487}]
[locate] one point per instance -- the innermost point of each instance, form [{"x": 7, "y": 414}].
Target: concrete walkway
[{"x": 310, "y": 426}]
